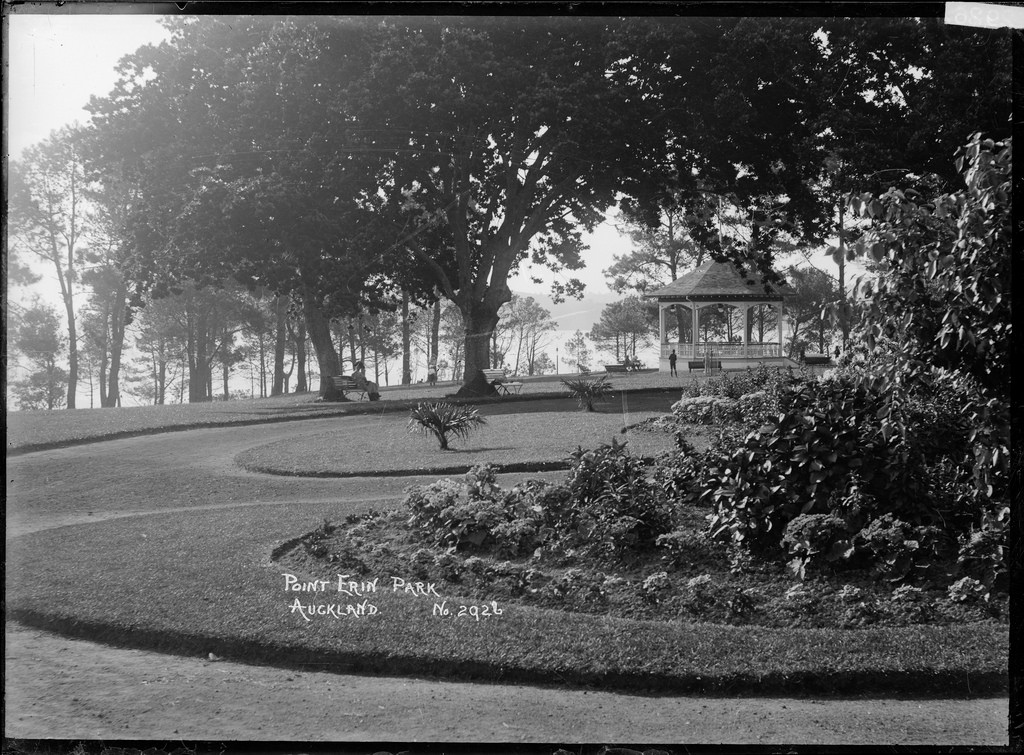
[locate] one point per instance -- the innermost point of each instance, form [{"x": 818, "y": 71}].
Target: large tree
[
  {"x": 509, "y": 135},
  {"x": 780, "y": 118},
  {"x": 48, "y": 218},
  {"x": 623, "y": 326},
  {"x": 814, "y": 291},
  {"x": 38, "y": 337},
  {"x": 232, "y": 130}
]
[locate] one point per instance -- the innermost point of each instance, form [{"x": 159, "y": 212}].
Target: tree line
[{"x": 350, "y": 170}]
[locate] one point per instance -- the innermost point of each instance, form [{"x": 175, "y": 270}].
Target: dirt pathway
[{"x": 61, "y": 688}]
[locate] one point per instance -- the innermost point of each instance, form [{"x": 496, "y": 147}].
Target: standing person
[
  {"x": 432, "y": 374},
  {"x": 359, "y": 375},
  {"x": 672, "y": 363}
]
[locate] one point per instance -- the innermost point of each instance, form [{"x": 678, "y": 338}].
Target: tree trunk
[
  {"x": 69, "y": 305},
  {"x": 225, "y": 374},
  {"x": 406, "y": 342},
  {"x": 117, "y": 325},
  {"x": 280, "y": 341},
  {"x": 103, "y": 382},
  {"x": 351, "y": 329},
  {"x": 299, "y": 339},
  {"x": 318, "y": 327},
  {"x": 435, "y": 330},
  {"x": 480, "y": 322}
]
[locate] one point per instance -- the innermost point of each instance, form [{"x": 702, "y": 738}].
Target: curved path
[{"x": 56, "y": 687}]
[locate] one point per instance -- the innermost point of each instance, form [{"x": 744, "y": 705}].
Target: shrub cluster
[
  {"x": 832, "y": 474},
  {"x": 847, "y": 473},
  {"x": 607, "y": 508}
]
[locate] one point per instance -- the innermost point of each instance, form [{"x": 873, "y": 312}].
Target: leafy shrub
[
  {"x": 587, "y": 390},
  {"x": 613, "y": 506},
  {"x": 442, "y": 419},
  {"x": 967, "y": 590},
  {"x": 473, "y": 512},
  {"x": 707, "y": 409},
  {"x": 902, "y": 551},
  {"x": 817, "y": 540},
  {"x": 982, "y": 553},
  {"x": 828, "y": 431},
  {"x": 758, "y": 407},
  {"x": 699, "y": 594},
  {"x": 735, "y": 384},
  {"x": 655, "y": 586},
  {"x": 684, "y": 548}
]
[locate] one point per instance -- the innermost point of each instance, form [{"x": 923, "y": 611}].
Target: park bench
[
  {"x": 812, "y": 359},
  {"x": 700, "y": 364},
  {"x": 345, "y": 384},
  {"x": 500, "y": 382},
  {"x": 615, "y": 368}
]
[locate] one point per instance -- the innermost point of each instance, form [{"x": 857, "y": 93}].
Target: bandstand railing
[{"x": 722, "y": 350}]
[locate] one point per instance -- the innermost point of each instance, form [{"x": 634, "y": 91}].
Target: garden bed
[
  {"x": 200, "y": 583},
  {"x": 694, "y": 579}
]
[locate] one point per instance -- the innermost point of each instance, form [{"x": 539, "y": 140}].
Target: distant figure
[
  {"x": 432, "y": 374},
  {"x": 672, "y": 363},
  {"x": 371, "y": 388}
]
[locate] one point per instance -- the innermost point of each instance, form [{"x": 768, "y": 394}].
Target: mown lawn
[
  {"x": 202, "y": 582},
  {"x": 383, "y": 444},
  {"x": 30, "y": 430}
]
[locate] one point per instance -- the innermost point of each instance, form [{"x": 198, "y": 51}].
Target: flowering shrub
[
  {"x": 613, "y": 507},
  {"x": 706, "y": 410},
  {"x": 817, "y": 540},
  {"x": 850, "y": 594},
  {"x": 967, "y": 590},
  {"x": 471, "y": 513},
  {"x": 686, "y": 547},
  {"x": 903, "y": 551},
  {"x": 654, "y": 586},
  {"x": 982, "y": 553},
  {"x": 735, "y": 384},
  {"x": 758, "y": 407}
]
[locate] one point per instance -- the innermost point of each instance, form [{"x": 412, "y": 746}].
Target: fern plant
[
  {"x": 586, "y": 390},
  {"x": 444, "y": 420}
]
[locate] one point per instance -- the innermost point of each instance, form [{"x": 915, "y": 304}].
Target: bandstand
[{"x": 710, "y": 285}]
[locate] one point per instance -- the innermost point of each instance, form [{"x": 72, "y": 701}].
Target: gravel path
[{"x": 63, "y": 688}]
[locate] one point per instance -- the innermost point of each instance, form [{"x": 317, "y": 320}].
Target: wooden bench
[
  {"x": 500, "y": 382},
  {"x": 345, "y": 384},
  {"x": 699, "y": 364},
  {"x": 812, "y": 359},
  {"x": 615, "y": 368}
]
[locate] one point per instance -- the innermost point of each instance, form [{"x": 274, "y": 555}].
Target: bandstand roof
[{"x": 720, "y": 281}]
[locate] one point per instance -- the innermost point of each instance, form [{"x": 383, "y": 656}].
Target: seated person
[{"x": 359, "y": 375}]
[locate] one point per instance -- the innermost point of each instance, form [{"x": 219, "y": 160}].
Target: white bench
[{"x": 501, "y": 383}]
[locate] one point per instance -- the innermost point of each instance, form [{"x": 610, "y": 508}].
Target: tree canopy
[{"x": 355, "y": 163}]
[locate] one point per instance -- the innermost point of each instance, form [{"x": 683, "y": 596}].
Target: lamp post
[{"x": 556, "y": 360}]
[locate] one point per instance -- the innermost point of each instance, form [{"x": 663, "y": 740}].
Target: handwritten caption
[{"x": 360, "y": 592}]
